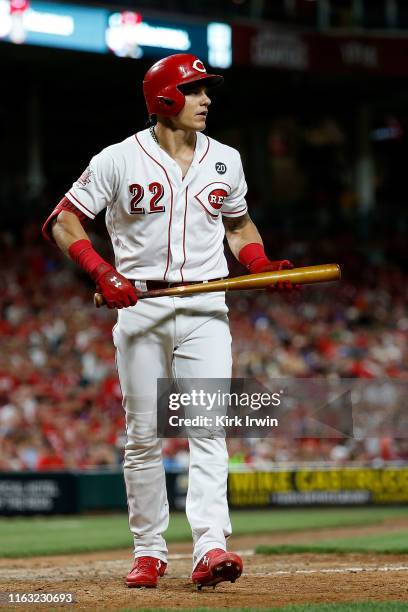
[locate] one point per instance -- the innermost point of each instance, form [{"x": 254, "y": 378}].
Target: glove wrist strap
[
  {"x": 85, "y": 256},
  {"x": 253, "y": 256}
]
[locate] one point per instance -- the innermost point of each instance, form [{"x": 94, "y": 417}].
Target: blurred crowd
[{"x": 60, "y": 400}]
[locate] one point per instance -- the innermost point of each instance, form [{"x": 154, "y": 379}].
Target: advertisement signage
[
  {"x": 66, "y": 26},
  {"x": 319, "y": 487},
  {"x": 38, "y": 493},
  {"x": 279, "y": 49},
  {"x": 131, "y": 35},
  {"x": 123, "y": 33}
]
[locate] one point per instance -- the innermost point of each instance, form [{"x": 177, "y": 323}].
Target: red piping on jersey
[
  {"x": 171, "y": 202},
  {"x": 215, "y": 183},
  {"x": 207, "y": 211},
  {"x": 63, "y": 204},
  {"x": 184, "y": 238},
  {"x": 66, "y": 204},
  {"x": 235, "y": 211},
  {"x": 208, "y": 146},
  {"x": 80, "y": 203}
]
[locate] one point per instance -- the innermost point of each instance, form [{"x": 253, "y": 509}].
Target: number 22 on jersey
[{"x": 138, "y": 207}]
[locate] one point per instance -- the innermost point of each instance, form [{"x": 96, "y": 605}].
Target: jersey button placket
[
  {"x": 176, "y": 237},
  {"x": 181, "y": 208},
  {"x": 175, "y": 183}
]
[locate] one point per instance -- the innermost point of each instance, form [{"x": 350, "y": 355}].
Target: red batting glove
[
  {"x": 253, "y": 257},
  {"x": 117, "y": 291}
]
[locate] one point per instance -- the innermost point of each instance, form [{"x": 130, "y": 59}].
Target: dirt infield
[{"x": 97, "y": 578}]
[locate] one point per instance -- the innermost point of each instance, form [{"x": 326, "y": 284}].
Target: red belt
[{"x": 155, "y": 284}]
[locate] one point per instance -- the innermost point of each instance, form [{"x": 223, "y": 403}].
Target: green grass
[
  {"x": 63, "y": 535},
  {"x": 395, "y": 542},
  {"x": 365, "y": 606}
]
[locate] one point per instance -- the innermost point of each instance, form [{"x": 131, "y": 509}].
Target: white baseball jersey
[{"x": 164, "y": 227}]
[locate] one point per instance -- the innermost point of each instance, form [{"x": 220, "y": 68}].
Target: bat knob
[{"x": 98, "y": 300}]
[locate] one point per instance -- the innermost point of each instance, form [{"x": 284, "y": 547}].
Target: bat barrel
[
  {"x": 310, "y": 274},
  {"x": 302, "y": 276}
]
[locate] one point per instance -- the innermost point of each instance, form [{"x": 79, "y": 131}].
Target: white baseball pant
[{"x": 181, "y": 337}]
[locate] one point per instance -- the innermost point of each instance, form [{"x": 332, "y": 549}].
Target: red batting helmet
[{"x": 162, "y": 82}]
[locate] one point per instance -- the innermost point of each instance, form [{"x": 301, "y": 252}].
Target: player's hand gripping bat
[{"x": 301, "y": 276}]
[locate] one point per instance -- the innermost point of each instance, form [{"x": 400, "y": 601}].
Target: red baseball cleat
[
  {"x": 217, "y": 566},
  {"x": 145, "y": 572}
]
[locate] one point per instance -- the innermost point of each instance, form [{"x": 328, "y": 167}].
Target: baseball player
[{"x": 170, "y": 194}]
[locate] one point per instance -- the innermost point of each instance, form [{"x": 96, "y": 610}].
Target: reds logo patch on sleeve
[{"x": 212, "y": 197}]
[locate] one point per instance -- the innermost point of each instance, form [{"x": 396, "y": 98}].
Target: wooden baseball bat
[{"x": 301, "y": 276}]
